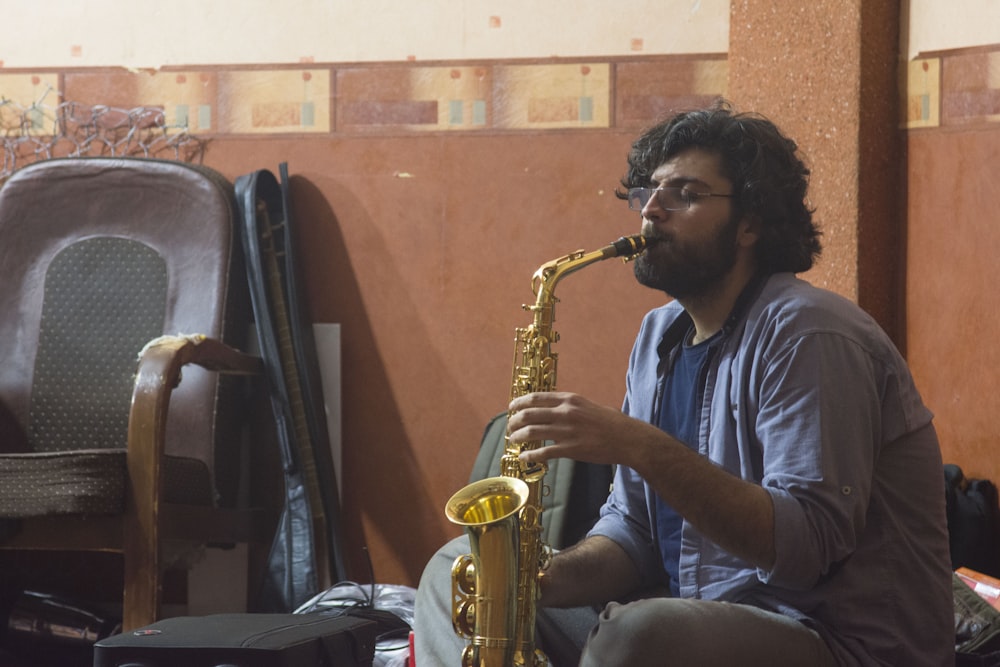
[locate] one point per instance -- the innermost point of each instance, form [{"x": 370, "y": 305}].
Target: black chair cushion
[{"x": 88, "y": 481}]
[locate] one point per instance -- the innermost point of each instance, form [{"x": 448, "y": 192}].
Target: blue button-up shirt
[{"x": 806, "y": 396}]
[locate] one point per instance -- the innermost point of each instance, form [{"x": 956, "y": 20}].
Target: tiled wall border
[
  {"x": 942, "y": 89},
  {"x": 952, "y": 88},
  {"x": 384, "y": 98}
]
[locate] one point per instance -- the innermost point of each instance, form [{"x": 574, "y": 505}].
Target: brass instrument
[{"x": 495, "y": 588}]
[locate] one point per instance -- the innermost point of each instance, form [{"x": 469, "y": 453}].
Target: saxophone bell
[{"x": 485, "y": 582}]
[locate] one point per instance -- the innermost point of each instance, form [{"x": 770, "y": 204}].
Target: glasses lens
[
  {"x": 673, "y": 199},
  {"x": 638, "y": 198},
  {"x": 669, "y": 198}
]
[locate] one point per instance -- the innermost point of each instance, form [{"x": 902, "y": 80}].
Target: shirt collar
[{"x": 679, "y": 328}]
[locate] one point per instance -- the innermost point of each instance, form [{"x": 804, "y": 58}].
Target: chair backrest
[{"x": 98, "y": 256}]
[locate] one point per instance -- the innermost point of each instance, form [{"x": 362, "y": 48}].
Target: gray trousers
[{"x": 653, "y": 632}]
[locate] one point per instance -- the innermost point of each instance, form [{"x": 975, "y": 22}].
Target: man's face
[{"x": 696, "y": 247}]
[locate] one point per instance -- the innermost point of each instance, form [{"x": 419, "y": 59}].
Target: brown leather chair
[{"x": 116, "y": 274}]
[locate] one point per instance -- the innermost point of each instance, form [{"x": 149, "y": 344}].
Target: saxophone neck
[
  {"x": 496, "y": 588},
  {"x": 544, "y": 280}
]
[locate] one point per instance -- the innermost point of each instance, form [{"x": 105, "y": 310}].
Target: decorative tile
[
  {"x": 647, "y": 91},
  {"x": 106, "y": 116},
  {"x": 277, "y": 101},
  {"x": 551, "y": 96},
  {"x": 922, "y": 93},
  {"x": 970, "y": 88},
  {"x": 415, "y": 98},
  {"x": 28, "y": 103},
  {"x": 401, "y": 97},
  {"x": 187, "y": 99},
  {"x": 252, "y": 102}
]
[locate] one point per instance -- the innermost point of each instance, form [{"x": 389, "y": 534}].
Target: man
[{"x": 777, "y": 471}]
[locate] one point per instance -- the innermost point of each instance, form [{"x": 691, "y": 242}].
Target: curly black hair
[{"x": 768, "y": 177}]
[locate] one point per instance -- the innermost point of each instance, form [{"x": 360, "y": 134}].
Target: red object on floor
[{"x": 412, "y": 660}]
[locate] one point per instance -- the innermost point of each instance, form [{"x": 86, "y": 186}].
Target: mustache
[{"x": 654, "y": 237}]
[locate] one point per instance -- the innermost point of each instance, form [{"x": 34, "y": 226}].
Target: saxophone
[{"x": 495, "y": 587}]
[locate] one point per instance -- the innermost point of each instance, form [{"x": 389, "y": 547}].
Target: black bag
[
  {"x": 977, "y": 628},
  {"x": 973, "y": 522},
  {"x": 309, "y": 525},
  {"x": 244, "y": 640},
  {"x": 577, "y": 490}
]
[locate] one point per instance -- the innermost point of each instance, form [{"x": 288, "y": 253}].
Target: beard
[{"x": 688, "y": 271}]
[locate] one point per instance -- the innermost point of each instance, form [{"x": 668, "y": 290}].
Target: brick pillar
[{"x": 825, "y": 72}]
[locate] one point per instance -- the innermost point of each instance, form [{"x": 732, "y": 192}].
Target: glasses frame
[{"x": 644, "y": 195}]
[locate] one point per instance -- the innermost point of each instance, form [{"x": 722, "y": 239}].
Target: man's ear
[{"x": 748, "y": 232}]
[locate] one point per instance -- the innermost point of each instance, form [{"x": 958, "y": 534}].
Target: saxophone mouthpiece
[{"x": 628, "y": 247}]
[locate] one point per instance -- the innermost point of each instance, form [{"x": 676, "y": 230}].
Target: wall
[
  {"x": 952, "y": 242},
  {"x": 903, "y": 187},
  {"x": 423, "y": 245},
  {"x": 427, "y": 193},
  {"x": 149, "y": 34},
  {"x": 822, "y": 76},
  {"x": 436, "y": 164}
]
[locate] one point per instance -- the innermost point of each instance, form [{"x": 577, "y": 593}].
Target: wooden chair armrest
[
  {"x": 170, "y": 353},
  {"x": 158, "y": 374}
]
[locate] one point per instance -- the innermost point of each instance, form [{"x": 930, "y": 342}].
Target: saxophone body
[{"x": 495, "y": 588}]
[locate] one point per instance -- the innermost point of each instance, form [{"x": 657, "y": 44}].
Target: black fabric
[
  {"x": 590, "y": 487},
  {"x": 973, "y": 522},
  {"x": 976, "y": 660},
  {"x": 89, "y": 481},
  {"x": 563, "y": 632},
  {"x": 83, "y": 481}
]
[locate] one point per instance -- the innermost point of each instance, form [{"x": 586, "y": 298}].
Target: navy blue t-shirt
[{"x": 679, "y": 410}]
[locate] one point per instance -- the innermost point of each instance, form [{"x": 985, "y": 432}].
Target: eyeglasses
[{"x": 668, "y": 198}]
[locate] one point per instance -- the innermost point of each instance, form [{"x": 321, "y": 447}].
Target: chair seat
[{"x": 88, "y": 481}]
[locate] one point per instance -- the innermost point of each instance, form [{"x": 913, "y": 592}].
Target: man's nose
[{"x": 652, "y": 209}]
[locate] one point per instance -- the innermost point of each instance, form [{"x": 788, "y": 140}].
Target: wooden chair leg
[
  {"x": 143, "y": 589},
  {"x": 147, "y": 428}
]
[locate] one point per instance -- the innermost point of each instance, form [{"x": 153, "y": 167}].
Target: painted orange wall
[
  {"x": 952, "y": 307},
  {"x": 427, "y": 276},
  {"x": 425, "y": 196}
]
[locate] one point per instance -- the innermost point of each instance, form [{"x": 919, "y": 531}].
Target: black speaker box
[{"x": 244, "y": 640}]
